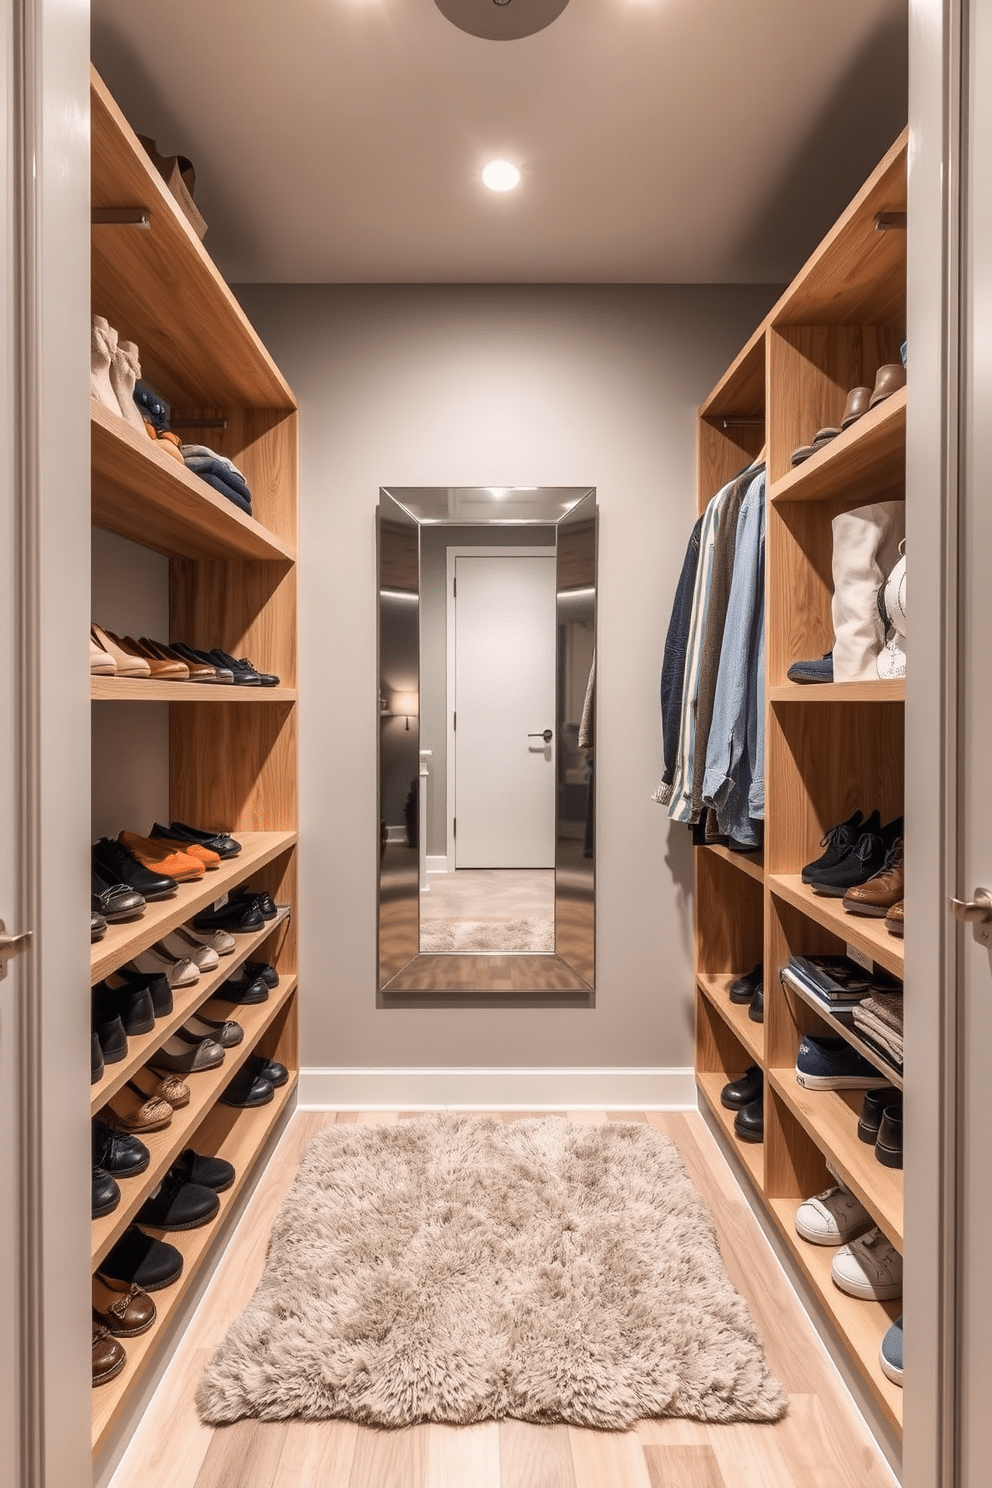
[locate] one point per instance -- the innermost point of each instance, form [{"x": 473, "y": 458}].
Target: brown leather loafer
[
  {"x": 888, "y": 380},
  {"x": 198, "y": 671},
  {"x": 894, "y": 920},
  {"x": 161, "y": 671},
  {"x": 877, "y": 896},
  {"x": 108, "y": 1356},
  {"x": 857, "y": 403},
  {"x": 128, "y": 1315}
]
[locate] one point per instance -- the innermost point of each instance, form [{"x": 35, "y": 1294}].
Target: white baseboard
[
  {"x": 353, "y": 1089},
  {"x": 396, "y": 834},
  {"x": 437, "y": 863}
]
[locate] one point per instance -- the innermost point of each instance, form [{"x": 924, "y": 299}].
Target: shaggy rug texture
[
  {"x": 534, "y": 935},
  {"x": 459, "y": 1269}
]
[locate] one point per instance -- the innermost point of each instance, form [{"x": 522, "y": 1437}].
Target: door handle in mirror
[{"x": 545, "y": 734}]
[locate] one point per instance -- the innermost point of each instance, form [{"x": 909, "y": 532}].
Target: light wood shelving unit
[
  {"x": 232, "y": 750},
  {"x": 828, "y": 749}
]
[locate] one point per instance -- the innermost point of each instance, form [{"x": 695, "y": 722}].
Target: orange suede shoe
[
  {"x": 207, "y": 857},
  {"x": 154, "y": 855}
]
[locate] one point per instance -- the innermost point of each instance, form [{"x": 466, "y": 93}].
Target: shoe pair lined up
[
  {"x": 888, "y": 380},
  {"x": 112, "y": 655},
  {"x": 152, "y": 867},
  {"x": 864, "y": 866}
]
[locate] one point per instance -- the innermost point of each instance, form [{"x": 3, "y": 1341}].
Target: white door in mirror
[{"x": 505, "y": 617}]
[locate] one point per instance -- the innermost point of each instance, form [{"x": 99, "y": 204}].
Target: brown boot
[{"x": 885, "y": 889}]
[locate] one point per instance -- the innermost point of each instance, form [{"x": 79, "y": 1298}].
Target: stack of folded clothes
[
  {"x": 879, "y": 1019},
  {"x": 220, "y": 473}
]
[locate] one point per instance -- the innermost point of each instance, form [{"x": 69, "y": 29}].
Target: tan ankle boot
[
  {"x": 103, "y": 344},
  {"x": 125, "y": 369}
]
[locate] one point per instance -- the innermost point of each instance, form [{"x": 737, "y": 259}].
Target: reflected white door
[{"x": 504, "y": 694}]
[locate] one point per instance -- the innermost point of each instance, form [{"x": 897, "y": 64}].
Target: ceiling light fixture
[
  {"x": 500, "y": 175},
  {"x": 501, "y": 20}
]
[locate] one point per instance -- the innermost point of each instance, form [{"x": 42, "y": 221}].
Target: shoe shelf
[
  {"x": 185, "y": 1002},
  {"x": 866, "y": 935},
  {"x": 716, "y": 991},
  {"x": 122, "y": 942},
  {"x": 843, "y": 1023},
  {"x": 862, "y": 1324},
  {"x": 868, "y": 458},
  {"x": 240, "y": 1136},
  {"x": 158, "y": 286},
  {"x": 146, "y": 496},
  {"x": 753, "y": 864},
  {"x": 857, "y": 274},
  {"x": 164, "y": 1146},
  {"x": 880, "y": 691},
  {"x": 141, "y": 690},
  {"x": 750, "y": 1154},
  {"x": 830, "y": 1118}
]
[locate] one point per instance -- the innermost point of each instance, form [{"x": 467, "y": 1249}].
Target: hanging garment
[
  {"x": 587, "y": 738},
  {"x": 733, "y": 783},
  {"x": 724, "y": 551},
  {"x": 673, "y": 666}
]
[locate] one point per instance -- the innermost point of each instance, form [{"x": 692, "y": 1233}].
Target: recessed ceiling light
[{"x": 500, "y": 175}]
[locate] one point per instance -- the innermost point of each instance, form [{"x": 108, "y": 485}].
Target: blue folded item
[
  {"x": 153, "y": 406},
  {"x": 226, "y": 486}
]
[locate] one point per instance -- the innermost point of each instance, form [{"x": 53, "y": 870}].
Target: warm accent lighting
[
  {"x": 406, "y": 705},
  {"x": 500, "y": 175}
]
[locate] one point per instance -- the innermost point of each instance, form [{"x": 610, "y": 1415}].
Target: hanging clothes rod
[
  {"x": 198, "y": 423},
  {"x": 731, "y": 422},
  {"x": 120, "y": 217}
]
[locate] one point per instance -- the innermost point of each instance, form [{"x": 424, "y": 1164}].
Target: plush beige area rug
[
  {"x": 460, "y": 1269},
  {"x": 533, "y": 935}
]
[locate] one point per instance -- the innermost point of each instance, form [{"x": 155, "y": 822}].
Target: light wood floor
[{"x": 822, "y": 1443}]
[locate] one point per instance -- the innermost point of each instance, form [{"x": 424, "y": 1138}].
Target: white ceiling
[{"x": 660, "y": 140}]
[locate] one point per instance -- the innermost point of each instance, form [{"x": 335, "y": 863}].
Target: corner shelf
[
  {"x": 751, "y": 1154},
  {"x": 868, "y": 459},
  {"x": 867, "y": 935},
  {"x": 240, "y": 1137},
  {"x": 185, "y": 1002},
  {"x": 158, "y": 286},
  {"x": 830, "y": 1117},
  {"x": 753, "y": 864},
  {"x": 144, "y": 495},
  {"x": 122, "y": 942},
  {"x": 164, "y": 1146},
  {"x": 752, "y": 1035}
]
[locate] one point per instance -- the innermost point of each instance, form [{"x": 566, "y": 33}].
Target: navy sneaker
[
  {"x": 829, "y": 1063},
  {"x": 819, "y": 670},
  {"x": 865, "y": 859},
  {"x": 839, "y": 841}
]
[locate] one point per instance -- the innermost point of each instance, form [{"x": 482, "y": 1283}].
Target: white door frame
[{"x": 451, "y": 554}]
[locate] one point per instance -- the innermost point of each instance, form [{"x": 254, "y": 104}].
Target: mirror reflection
[{"x": 486, "y": 744}]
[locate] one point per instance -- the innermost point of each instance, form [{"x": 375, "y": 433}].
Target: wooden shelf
[
  {"x": 158, "y": 287},
  {"x": 740, "y": 393},
  {"x": 880, "y": 691},
  {"x": 751, "y": 1154},
  {"x": 867, "y": 935},
  {"x": 185, "y": 1002},
  {"x": 239, "y": 1136},
  {"x": 831, "y": 1118},
  {"x": 142, "y": 690},
  {"x": 842, "y": 1022},
  {"x": 866, "y": 461},
  {"x": 857, "y": 275},
  {"x": 752, "y": 1035},
  {"x": 164, "y": 1146},
  {"x": 122, "y": 942},
  {"x": 753, "y": 864},
  {"x": 861, "y": 1324},
  {"x": 144, "y": 495}
]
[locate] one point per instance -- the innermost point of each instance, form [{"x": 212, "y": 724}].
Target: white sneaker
[
  {"x": 832, "y": 1217},
  {"x": 181, "y": 973},
  {"x": 218, "y": 940},
  {"x": 185, "y": 948},
  {"x": 869, "y": 1267}
]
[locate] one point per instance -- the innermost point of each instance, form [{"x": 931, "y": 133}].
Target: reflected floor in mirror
[{"x": 488, "y": 909}]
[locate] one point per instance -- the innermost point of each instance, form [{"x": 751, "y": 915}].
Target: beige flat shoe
[
  {"x": 102, "y": 664},
  {"x": 127, "y": 664},
  {"x": 138, "y": 1115}
]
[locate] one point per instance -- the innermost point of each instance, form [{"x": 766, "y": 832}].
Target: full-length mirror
[{"x": 487, "y": 656}]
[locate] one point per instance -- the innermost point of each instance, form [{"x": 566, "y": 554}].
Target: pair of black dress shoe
[
  {"x": 256, "y": 1082},
  {"x": 245, "y": 911},
  {"x": 185, "y": 1199},
  {"x": 856, "y": 850},
  {"x": 222, "y": 843},
  {"x": 242, "y": 673},
  {"x": 746, "y": 1096},
  {"x": 750, "y": 989},
  {"x": 125, "y": 1006},
  {"x": 115, "y": 1155},
  {"x": 880, "y": 1125}
]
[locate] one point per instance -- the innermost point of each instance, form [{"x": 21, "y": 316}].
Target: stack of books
[{"x": 835, "y": 981}]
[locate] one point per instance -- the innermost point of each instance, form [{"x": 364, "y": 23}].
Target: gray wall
[
  {"x": 508, "y": 385},
  {"x": 434, "y": 544}
]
